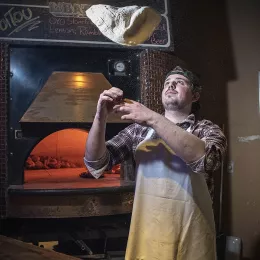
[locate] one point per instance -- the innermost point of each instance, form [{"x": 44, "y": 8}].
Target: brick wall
[{"x": 4, "y": 68}]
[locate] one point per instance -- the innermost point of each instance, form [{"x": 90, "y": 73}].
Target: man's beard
[{"x": 172, "y": 105}]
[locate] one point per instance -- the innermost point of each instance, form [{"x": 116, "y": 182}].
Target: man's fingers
[
  {"x": 127, "y": 117},
  {"x": 106, "y": 98},
  {"x": 123, "y": 109},
  {"x": 116, "y": 107},
  {"x": 128, "y": 101},
  {"x": 109, "y": 94},
  {"x": 118, "y": 91}
]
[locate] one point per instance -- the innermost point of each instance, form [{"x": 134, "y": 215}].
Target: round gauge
[{"x": 119, "y": 66}]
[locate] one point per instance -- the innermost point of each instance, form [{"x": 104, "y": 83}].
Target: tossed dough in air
[{"x": 130, "y": 25}]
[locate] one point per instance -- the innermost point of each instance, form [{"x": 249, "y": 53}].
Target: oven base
[{"x": 59, "y": 205}]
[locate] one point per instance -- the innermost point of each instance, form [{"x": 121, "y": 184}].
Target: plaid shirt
[{"x": 123, "y": 146}]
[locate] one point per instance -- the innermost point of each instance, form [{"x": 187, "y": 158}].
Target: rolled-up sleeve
[
  {"x": 118, "y": 149},
  {"x": 215, "y": 149},
  {"x": 97, "y": 168}
]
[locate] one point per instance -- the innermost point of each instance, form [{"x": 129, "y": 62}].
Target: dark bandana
[{"x": 194, "y": 80}]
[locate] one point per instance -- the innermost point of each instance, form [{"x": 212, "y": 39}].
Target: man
[{"x": 175, "y": 156}]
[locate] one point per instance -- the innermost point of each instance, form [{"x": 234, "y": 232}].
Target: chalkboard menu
[{"x": 66, "y": 22}]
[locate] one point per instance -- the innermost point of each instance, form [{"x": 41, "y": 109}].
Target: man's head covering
[
  {"x": 130, "y": 25},
  {"x": 194, "y": 80}
]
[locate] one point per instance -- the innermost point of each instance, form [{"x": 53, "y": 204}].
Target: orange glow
[
  {"x": 79, "y": 81},
  {"x": 58, "y": 158},
  {"x": 79, "y": 78},
  {"x": 79, "y": 84}
]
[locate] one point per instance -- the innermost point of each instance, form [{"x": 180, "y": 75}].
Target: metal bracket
[{"x": 18, "y": 134}]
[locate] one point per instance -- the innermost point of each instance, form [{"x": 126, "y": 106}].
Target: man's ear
[{"x": 196, "y": 97}]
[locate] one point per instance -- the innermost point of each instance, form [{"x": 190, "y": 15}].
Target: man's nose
[{"x": 173, "y": 85}]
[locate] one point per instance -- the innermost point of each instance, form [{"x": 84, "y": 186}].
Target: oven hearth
[{"x": 57, "y": 162}]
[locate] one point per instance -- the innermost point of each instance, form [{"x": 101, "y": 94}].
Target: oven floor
[{"x": 67, "y": 178}]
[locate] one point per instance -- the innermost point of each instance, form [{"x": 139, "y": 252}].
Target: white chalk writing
[
  {"x": 18, "y": 20},
  {"x": 54, "y": 30},
  {"x": 58, "y": 21},
  {"x": 75, "y": 26},
  {"x": 77, "y": 21},
  {"x": 63, "y": 9},
  {"x": 157, "y": 39},
  {"x": 88, "y": 31}
]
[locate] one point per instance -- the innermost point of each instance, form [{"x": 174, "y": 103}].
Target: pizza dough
[{"x": 130, "y": 25}]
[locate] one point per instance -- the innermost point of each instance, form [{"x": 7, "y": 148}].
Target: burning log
[{"x": 34, "y": 162}]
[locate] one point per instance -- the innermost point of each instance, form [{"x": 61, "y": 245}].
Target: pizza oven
[
  {"x": 52, "y": 94},
  {"x": 53, "y": 97}
]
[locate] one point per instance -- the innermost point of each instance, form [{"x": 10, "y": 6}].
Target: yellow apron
[{"x": 172, "y": 216}]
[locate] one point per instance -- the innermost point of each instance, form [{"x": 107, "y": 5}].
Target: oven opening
[{"x": 56, "y": 162}]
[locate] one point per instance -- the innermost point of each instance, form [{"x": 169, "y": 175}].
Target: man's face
[{"x": 177, "y": 93}]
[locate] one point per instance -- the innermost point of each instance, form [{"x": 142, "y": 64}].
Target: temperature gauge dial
[{"x": 119, "y": 66}]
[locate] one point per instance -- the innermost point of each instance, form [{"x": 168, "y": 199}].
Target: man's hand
[
  {"x": 135, "y": 112},
  {"x": 107, "y": 100},
  {"x": 186, "y": 145},
  {"x": 96, "y": 146}
]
